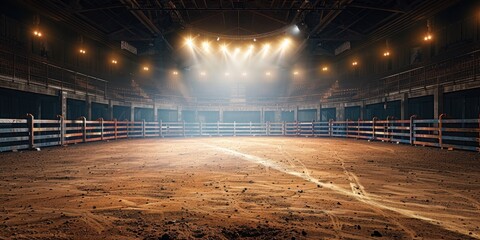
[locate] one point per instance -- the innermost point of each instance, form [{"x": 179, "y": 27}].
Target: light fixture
[
  {"x": 285, "y": 43},
  {"x": 218, "y": 39},
  {"x": 114, "y": 61},
  {"x": 244, "y": 74},
  {"x": 254, "y": 39},
  {"x": 189, "y": 42},
  {"x": 266, "y": 47},
  {"x": 295, "y": 73},
  {"x": 206, "y": 45},
  {"x": 268, "y": 74},
  {"x": 203, "y": 73},
  {"x": 227, "y": 74},
  {"x": 37, "y": 33},
  {"x": 175, "y": 73},
  {"x": 325, "y": 69},
  {"x": 386, "y": 53},
  {"x": 428, "y": 36},
  {"x": 82, "y": 51},
  {"x": 354, "y": 63},
  {"x": 224, "y": 48},
  {"x": 146, "y": 68}
]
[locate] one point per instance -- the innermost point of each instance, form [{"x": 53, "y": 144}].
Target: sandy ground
[{"x": 243, "y": 187}]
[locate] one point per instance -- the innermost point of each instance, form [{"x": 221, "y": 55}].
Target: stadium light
[
  {"x": 82, "y": 51},
  {"x": 325, "y": 68},
  {"x": 146, "y": 68},
  {"x": 114, "y": 61},
  {"x": 189, "y": 42},
  {"x": 37, "y": 33},
  {"x": 354, "y": 63},
  {"x": 285, "y": 43}
]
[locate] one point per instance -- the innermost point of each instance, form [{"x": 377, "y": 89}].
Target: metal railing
[{"x": 31, "y": 133}]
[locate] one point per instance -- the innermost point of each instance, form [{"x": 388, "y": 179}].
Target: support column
[
  {"x": 340, "y": 112},
  {"x": 404, "y": 107},
  {"x": 155, "y": 111},
  {"x": 110, "y": 110},
  {"x": 277, "y": 116},
  {"x": 295, "y": 114},
  {"x": 220, "y": 115},
  {"x": 319, "y": 109},
  {"x": 132, "y": 113},
  {"x": 262, "y": 115},
  {"x": 179, "y": 114},
  {"x": 88, "y": 105},
  {"x": 362, "y": 111},
  {"x": 437, "y": 102},
  {"x": 63, "y": 103}
]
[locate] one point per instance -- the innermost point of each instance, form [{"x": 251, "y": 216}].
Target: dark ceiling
[{"x": 324, "y": 25}]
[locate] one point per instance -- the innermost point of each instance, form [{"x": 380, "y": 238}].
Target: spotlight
[
  {"x": 224, "y": 48},
  {"x": 285, "y": 43},
  {"x": 268, "y": 74},
  {"x": 266, "y": 47},
  {"x": 37, "y": 33},
  {"x": 354, "y": 63},
  {"x": 146, "y": 68},
  {"x": 237, "y": 50},
  {"x": 325, "y": 69},
  {"x": 175, "y": 73},
  {"x": 114, "y": 61},
  {"x": 82, "y": 51},
  {"x": 203, "y": 73},
  {"x": 254, "y": 39},
  {"x": 206, "y": 45},
  {"x": 218, "y": 39},
  {"x": 189, "y": 42},
  {"x": 295, "y": 73},
  {"x": 295, "y": 29},
  {"x": 386, "y": 53},
  {"x": 427, "y": 37}
]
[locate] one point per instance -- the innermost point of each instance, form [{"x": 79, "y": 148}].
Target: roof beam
[{"x": 376, "y": 8}]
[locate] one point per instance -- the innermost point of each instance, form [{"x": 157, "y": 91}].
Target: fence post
[
  {"x": 84, "y": 129},
  {"x": 284, "y": 128},
  {"x": 297, "y": 128},
  {"x": 358, "y": 128},
  {"x": 267, "y": 128},
  {"x": 218, "y": 128},
  {"x": 313, "y": 128},
  {"x": 250, "y": 127},
  {"x": 128, "y": 127},
  {"x": 330, "y": 128},
  {"x": 201, "y": 128},
  {"x": 115, "y": 131},
  {"x": 412, "y": 129},
  {"x": 31, "y": 130},
  {"x": 440, "y": 125},
  {"x": 234, "y": 128},
  {"x": 374, "y": 123},
  {"x": 62, "y": 130},
  {"x": 101, "y": 128},
  {"x": 183, "y": 128},
  {"x": 143, "y": 128},
  {"x": 346, "y": 128},
  {"x": 161, "y": 128}
]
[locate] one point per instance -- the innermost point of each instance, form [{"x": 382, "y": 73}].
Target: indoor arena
[{"x": 239, "y": 119}]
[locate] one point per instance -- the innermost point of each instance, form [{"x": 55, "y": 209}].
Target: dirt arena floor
[{"x": 240, "y": 188}]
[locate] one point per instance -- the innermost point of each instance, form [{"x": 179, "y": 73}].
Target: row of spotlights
[
  {"x": 37, "y": 33},
  {"x": 224, "y": 48}
]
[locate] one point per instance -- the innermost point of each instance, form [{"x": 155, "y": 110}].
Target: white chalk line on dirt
[{"x": 362, "y": 198}]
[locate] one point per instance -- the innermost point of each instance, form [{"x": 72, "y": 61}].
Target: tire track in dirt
[{"x": 451, "y": 226}]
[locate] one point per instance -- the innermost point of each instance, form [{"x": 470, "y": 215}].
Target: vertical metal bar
[
  {"x": 330, "y": 127},
  {"x": 374, "y": 121},
  {"x": 46, "y": 78},
  {"x": 201, "y": 128},
  {"x": 267, "y": 128},
  {"x": 62, "y": 129},
  {"x": 440, "y": 125},
  {"x": 412, "y": 129},
  {"x": 313, "y": 131},
  {"x": 234, "y": 128},
  {"x": 101, "y": 129},
  {"x": 115, "y": 130},
  {"x": 31, "y": 131},
  {"x": 183, "y": 128},
  {"x": 143, "y": 128},
  {"x": 161, "y": 128},
  {"x": 218, "y": 128},
  {"x": 250, "y": 128},
  {"x": 284, "y": 128},
  {"x": 358, "y": 129},
  {"x": 84, "y": 129},
  {"x": 346, "y": 129}
]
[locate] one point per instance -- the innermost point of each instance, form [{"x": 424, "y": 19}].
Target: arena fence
[{"x": 31, "y": 133}]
